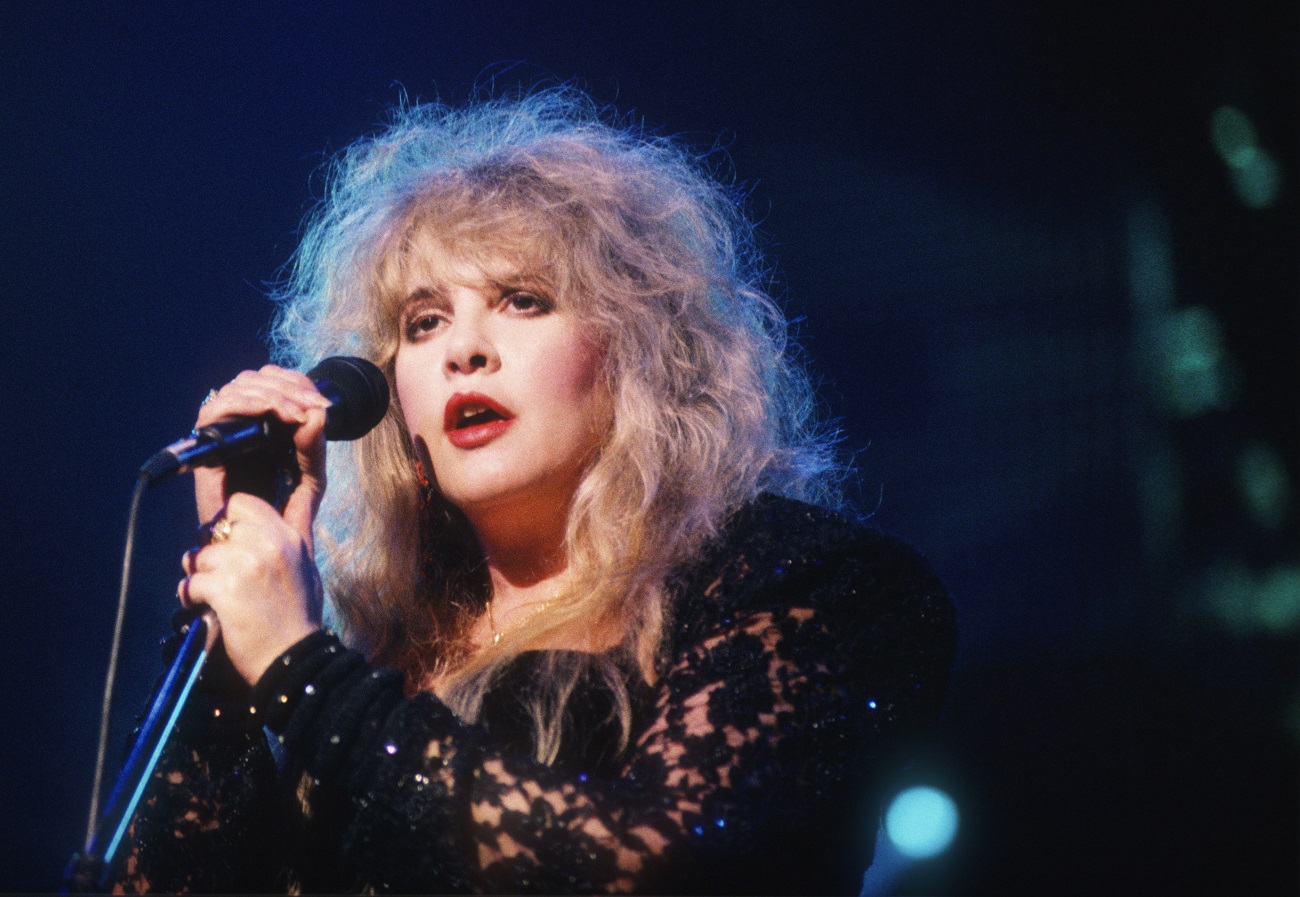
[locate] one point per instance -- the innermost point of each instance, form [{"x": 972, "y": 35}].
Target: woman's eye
[
  {"x": 528, "y": 303},
  {"x": 420, "y": 324}
]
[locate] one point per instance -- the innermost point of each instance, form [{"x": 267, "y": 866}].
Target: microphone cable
[{"x": 141, "y": 483}]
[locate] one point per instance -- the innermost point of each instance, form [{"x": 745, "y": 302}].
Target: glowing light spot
[
  {"x": 1256, "y": 174},
  {"x": 1247, "y": 602},
  {"x": 872, "y": 704},
  {"x": 1263, "y": 484},
  {"x": 1233, "y": 135},
  {"x": 390, "y": 748},
  {"x": 1278, "y": 610},
  {"x": 921, "y": 822},
  {"x": 1197, "y": 374},
  {"x": 1258, "y": 181}
]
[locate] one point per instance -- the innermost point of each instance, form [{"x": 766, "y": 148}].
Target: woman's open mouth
[{"x": 472, "y": 419}]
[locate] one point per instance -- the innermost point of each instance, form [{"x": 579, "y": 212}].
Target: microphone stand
[
  {"x": 88, "y": 872},
  {"x": 270, "y": 475}
]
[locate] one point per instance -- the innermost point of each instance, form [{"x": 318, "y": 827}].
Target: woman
[{"x": 594, "y": 640}]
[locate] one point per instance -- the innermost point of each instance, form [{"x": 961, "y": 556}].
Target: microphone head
[{"x": 359, "y": 391}]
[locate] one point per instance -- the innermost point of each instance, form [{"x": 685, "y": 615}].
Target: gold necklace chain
[{"x": 498, "y": 633}]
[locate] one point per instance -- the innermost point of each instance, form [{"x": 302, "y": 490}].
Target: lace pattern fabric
[{"x": 805, "y": 653}]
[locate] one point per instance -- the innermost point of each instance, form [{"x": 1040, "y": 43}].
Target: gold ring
[{"x": 221, "y": 529}]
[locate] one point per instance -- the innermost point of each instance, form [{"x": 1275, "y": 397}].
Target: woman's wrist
[
  {"x": 277, "y": 691},
  {"x": 319, "y": 697}
]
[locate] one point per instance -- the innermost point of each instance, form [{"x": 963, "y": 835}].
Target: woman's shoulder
[{"x": 779, "y": 555}]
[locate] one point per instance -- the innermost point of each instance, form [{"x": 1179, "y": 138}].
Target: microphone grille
[{"x": 359, "y": 391}]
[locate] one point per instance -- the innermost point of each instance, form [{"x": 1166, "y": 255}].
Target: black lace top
[{"x": 805, "y": 653}]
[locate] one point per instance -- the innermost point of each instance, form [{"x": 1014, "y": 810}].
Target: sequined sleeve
[{"x": 796, "y": 668}]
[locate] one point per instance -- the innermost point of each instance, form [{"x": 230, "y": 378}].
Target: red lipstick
[{"x": 472, "y": 419}]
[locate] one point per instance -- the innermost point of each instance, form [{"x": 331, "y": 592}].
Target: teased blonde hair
[{"x": 658, "y": 263}]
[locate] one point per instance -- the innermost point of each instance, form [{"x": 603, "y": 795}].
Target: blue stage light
[{"x": 921, "y": 822}]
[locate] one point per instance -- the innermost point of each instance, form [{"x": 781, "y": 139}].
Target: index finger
[{"x": 298, "y": 384}]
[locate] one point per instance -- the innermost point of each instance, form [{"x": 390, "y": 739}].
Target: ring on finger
[{"x": 221, "y": 529}]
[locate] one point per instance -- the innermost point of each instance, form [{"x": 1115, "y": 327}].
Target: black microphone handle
[{"x": 357, "y": 389}]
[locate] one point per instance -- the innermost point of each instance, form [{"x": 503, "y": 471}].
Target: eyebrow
[
  {"x": 422, "y": 294},
  {"x": 524, "y": 280}
]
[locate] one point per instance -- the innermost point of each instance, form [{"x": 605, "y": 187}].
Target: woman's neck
[
  {"x": 527, "y": 563},
  {"x": 517, "y": 602},
  {"x": 522, "y": 537}
]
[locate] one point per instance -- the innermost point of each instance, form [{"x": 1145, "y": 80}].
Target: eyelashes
[
  {"x": 527, "y": 303},
  {"x": 420, "y": 323}
]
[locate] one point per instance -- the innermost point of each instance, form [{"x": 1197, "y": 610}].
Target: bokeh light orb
[{"x": 921, "y": 822}]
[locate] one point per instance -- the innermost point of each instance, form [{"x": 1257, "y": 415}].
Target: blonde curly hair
[{"x": 659, "y": 263}]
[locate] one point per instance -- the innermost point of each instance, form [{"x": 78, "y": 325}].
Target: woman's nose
[{"x": 470, "y": 348}]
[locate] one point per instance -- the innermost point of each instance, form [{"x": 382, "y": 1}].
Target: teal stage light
[{"x": 921, "y": 822}]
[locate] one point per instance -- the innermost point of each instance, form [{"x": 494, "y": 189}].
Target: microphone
[{"x": 357, "y": 389}]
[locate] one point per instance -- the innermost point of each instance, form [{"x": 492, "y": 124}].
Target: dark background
[{"x": 1059, "y": 328}]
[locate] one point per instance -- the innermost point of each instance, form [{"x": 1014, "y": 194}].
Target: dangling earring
[
  {"x": 450, "y": 556},
  {"x": 433, "y": 511},
  {"x": 428, "y": 521},
  {"x": 421, "y": 475}
]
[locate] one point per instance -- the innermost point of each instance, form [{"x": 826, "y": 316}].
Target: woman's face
[{"x": 501, "y": 391}]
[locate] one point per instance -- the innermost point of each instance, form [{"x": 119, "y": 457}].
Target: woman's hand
[
  {"x": 258, "y": 571},
  {"x": 294, "y": 399},
  {"x": 258, "y": 574}
]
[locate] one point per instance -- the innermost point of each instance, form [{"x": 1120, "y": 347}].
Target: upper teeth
[{"x": 471, "y": 410}]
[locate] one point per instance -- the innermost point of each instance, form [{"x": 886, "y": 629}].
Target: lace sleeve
[{"x": 768, "y": 722}]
